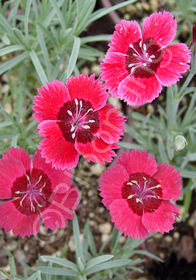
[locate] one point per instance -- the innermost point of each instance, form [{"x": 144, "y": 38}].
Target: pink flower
[
  {"x": 75, "y": 119},
  {"x": 138, "y": 63},
  {"x": 136, "y": 191},
  {"x": 34, "y": 191}
]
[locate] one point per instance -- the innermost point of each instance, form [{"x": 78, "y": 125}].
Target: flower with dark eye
[
  {"x": 136, "y": 191},
  {"x": 34, "y": 191},
  {"x": 75, "y": 119},
  {"x": 138, "y": 63}
]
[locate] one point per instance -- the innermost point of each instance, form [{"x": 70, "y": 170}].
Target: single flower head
[
  {"x": 75, "y": 119},
  {"x": 138, "y": 63},
  {"x": 31, "y": 192},
  {"x": 137, "y": 190}
]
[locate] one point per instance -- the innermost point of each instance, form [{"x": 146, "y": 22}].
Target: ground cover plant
[{"x": 55, "y": 118}]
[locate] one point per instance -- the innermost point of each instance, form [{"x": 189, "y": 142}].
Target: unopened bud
[{"x": 180, "y": 142}]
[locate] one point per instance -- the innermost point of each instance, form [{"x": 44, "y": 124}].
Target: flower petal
[
  {"x": 59, "y": 178},
  {"x": 161, "y": 27},
  {"x": 49, "y": 102},
  {"x": 12, "y": 219},
  {"x": 55, "y": 148},
  {"x": 112, "y": 182},
  {"x": 174, "y": 62},
  {"x": 169, "y": 180},
  {"x": 56, "y": 215},
  {"x": 113, "y": 71},
  {"x": 97, "y": 150},
  {"x": 10, "y": 169},
  {"x": 138, "y": 91},
  {"x": 138, "y": 161},
  {"x": 111, "y": 124},
  {"x": 127, "y": 221},
  {"x": 162, "y": 219},
  {"x": 84, "y": 87},
  {"x": 20, "y": 154},
  {"x": 127, "y": 32}
]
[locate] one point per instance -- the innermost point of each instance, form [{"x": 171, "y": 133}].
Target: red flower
[
  {"x": 31, "y": 192},
  {"x": 136, "y": 191},
  {"x": 76, "y": 119},
  {"x": 138, "y": 63}
]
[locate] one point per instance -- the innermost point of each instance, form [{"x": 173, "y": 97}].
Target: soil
[{"x": 177, "y": 248}]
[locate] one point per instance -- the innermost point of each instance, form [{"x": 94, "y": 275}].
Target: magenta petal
[
  {"x": 55, "y": 148},
  {"x": 112, "y": 182},
  {"x": 10, "y": 170},
  {"x": 56, "y": 215},
  {"x": 127, "y": 32},
  {"x": 161, "y": 27},
  {"x": 127, "y": 221},
  {"x": 114, "y": 71},
  {"x": 12, "y": 219},
  {"x": 59, "y": 178},
  {"x": 84, "y": 87},
  {"x": 174, "y": 62},
  {"x": 111, "y": 124},
  {"x": 49, "y": 102},
  {"x": 162, "y": 219},
  {"x": 20, "y": 154},
  {"x": 138, "y": 91},
  {"x": 97, "y": 150},
  {"x": 138, "y": 161},
  {"x": 169, "y": 180}
]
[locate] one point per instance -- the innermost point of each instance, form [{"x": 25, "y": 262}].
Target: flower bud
[{"x": 180, "y": 142}]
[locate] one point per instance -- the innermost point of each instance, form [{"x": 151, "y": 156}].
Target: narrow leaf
[
  {"x": 38, "y": 67},
  {"x": 56, "y": 271},
  {"x": 98, "y": 260},
  {"x": 10, "y": 49},
  {"x": 60, "y": 261},
  {"x": 102, "y": 12},
  {"x": 109, "y": 265},
  {"x": 26, "y": 18},
  {"x": 12, "y": 62},
  {"x": 73, "y": 57}
]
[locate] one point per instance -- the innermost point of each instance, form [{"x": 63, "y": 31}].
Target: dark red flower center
[
  {"x": 143, "y": 58},
  {"x": 143, "y": 193},
  {"x": 32, "y": 192},
  {"x": 78, "y": 121}
]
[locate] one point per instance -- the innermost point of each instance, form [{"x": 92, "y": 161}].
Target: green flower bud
[{"x": 180, "y": 142}]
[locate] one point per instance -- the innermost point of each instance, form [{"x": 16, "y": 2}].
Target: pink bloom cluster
[
  {"x": 34, "y": 191},
  {"x": 75, "y": 119},
  {"x": 138, "y": 63},
  {"x": 137, "y": 190}
]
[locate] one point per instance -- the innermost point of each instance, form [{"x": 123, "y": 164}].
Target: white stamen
[
  {"x": 40, "y": 190},
  {"x": 152, "y": 56},
  {"x": 73, "y": 135},
  {"x": 76, "y": 101},
  {"x": 80, "y": 103},
  {"x": 86, "y": 126},
  {"x": 144, "y": 64},
  {"x": 139, "y": 200},
  {"x": 130, "y": 196},
  {"x": 91, "y": 121},
  {"x": 145, "y": 48},
  {"x": 69, "y": 113},
  {"x": 140, "y": 44},
  {"x": 72, "y": 128},
  {"x": 131, "y": 65}
]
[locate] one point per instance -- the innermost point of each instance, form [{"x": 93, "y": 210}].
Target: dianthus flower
[
  {"x": 136, "y": 191},
  {"x": 31, "y": 192},
  {"x": 75, "y": 119},
  {"x": 138, "y": 63}
]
